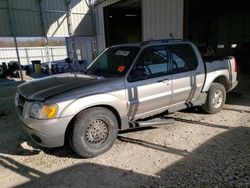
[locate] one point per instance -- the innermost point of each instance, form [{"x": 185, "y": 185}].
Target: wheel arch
[
  {"x": 222, "y": 80},
  {"x": 69, "y": 128}
]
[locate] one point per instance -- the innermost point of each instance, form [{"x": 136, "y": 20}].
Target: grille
[{"x": 21, "y": 102}]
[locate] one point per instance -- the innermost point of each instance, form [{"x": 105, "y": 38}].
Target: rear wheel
[
  {"x": 94, "y": 132},
  {"x": 216, "y": 98}
]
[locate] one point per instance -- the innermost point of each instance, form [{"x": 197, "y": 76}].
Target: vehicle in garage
[{"x": 122, "y": 89}]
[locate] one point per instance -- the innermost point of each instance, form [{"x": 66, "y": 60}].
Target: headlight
[
  {"x": 43, "y": 111},
  {"x": 35, "y": 110}
]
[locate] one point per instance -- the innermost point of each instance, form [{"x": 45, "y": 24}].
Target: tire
[
  {"x": 215, "y": 99},
  {"x": 94, "y": 132}
]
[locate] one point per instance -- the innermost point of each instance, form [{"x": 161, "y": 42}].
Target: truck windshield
[{"x": 114, "y": 62}]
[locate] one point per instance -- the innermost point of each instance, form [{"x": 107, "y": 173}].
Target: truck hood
[{"x": 42, "y": 89}]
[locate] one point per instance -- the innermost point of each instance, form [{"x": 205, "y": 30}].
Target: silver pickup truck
[{"x": 124, "y": 87}]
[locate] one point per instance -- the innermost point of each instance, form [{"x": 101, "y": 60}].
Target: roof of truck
[{"x": 149, "y": 42}]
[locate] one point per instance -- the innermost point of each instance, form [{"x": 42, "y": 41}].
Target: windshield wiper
[{"x": 101, "y": 73}]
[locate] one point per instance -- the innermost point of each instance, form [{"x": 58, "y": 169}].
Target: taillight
[{"x": 235, "y": 65}]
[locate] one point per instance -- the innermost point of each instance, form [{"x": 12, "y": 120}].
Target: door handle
[{"x": 163, "y": 81}]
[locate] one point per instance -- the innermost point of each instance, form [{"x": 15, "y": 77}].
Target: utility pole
[
  {"x": 71, "y": 33},
  {"x": 13, "y": 33},
  {"x": 187, "y": 19}
]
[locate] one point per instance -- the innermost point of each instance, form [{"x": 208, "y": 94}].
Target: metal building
[
  {"x": 36, "y": 18},
  {"x": 157, "y": 19},
  {"x": 46, "y": 18},
  {"x": 90, "y": 23},
  {"x": 96, "y": 24}
]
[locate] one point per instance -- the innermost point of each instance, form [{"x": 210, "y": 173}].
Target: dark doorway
[
  {"x": 221, "y": 24},
  {"x": 123, "y": 22}
]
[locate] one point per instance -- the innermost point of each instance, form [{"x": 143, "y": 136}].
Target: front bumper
[{"x": 47, "y": 133}]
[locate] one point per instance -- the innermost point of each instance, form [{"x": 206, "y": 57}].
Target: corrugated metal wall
[
  {"x": 27, "y": 18},
  {"x": 23, "y": 19},
  {"x": 161, "y": 18},
  {"x": 84, "y": 48},
  {"x": 56, "y": 21}
]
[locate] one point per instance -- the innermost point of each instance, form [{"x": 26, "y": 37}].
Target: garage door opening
[
  {"x": 222, "y": 25},
  {"x": 221, "y": 28},
  {"x": 123, "y": 22}
]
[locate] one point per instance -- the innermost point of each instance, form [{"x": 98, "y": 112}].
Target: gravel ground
[{"x": 199, "y": 150}]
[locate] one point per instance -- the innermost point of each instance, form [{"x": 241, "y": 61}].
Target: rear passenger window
[{"x": 184, "y": 58}]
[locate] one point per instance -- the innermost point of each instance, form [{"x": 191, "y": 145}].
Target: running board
[{"x": 153, "y": 122}]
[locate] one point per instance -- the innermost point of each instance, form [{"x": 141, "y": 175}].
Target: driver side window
[{"x": 154, "y": 62}]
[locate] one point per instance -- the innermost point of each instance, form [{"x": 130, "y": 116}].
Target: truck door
[
  {"x": 188, "y": 73},
  {"x": 149, "y": 83}
]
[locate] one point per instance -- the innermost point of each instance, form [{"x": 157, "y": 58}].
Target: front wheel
[
  {"x": 95, "y": 131},
  {"x": 216, "y": 98}
]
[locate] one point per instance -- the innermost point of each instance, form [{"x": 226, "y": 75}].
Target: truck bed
[{"x": 225, "y": 66}]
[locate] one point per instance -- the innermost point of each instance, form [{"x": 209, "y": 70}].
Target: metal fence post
[
  {"x": 45, "y": 35},
  {"x": 27, "y": 56},
  {"x": 52, "y": 56},
  {"x": 13, "y": 30},
  {"x": 42, "y": 55},
  {"x": 71, "y": 33}
]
